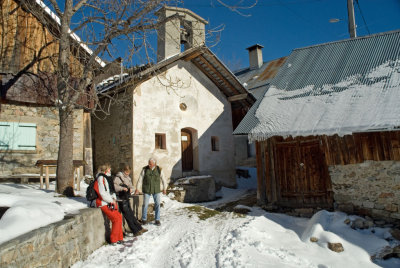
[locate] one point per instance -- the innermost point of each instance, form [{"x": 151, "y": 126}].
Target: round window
[{"x": 183, "y": 106}]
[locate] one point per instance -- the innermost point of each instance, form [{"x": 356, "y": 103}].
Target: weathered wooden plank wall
[
  {"x": 21, "y": 37},
  {"x": 356, "y": 148},
  {"x": 280, "y": 156}
]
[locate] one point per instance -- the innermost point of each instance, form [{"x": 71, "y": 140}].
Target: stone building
[
  {"x": 327, "y": 129},
  {"x": 256, "y": 79},
  {"x": 180, "y": 110},
  {"x": 29, "y": 122}
]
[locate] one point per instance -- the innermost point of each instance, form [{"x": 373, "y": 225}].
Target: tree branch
[{"x": 56, "y": 8}]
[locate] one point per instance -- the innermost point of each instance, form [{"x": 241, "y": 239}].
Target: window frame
[
  {"x": 215, "y": 146},
  {"x": 160, "y": 141}
]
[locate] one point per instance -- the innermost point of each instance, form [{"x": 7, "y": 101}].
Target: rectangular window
[
  {"x": 17, "y": 136},
  {"x": 160, "y": 141},
  {"x": 214, "y": 143},
  {"x": 251, "y": 149}
]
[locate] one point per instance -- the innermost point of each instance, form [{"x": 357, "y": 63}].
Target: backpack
[{"x": 91, "y": 193}]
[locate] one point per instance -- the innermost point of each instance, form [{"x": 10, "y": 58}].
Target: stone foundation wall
[
  {"x": 47, "y": 137},
  {"x": 60, "y": 244},
  {"x": 371, "y": 188}
]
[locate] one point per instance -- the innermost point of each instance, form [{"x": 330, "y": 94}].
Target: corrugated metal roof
[
  {"x": 250, "y": 120},
  {"x": 257, "y": 82},
  {"x": 255, "y": 78},
  {"x": 330, "y": 64}
]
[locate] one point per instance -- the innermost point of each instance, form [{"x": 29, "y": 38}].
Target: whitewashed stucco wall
[{"x": 156, "y": 110}]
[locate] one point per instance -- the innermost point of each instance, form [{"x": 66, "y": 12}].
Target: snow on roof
[
  {"x": 111, "y": 82},
  {"x": 73, "y": 35},
  {"x": 335, "y": 88},
  {"x": 343, "y": 108}
]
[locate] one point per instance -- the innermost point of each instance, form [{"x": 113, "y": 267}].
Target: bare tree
[
  {"x": 102, "y": 24},
  {"x": 239, "y": 6}
]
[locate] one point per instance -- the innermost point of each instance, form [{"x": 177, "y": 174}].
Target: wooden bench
[
  {"x": 23, "y": 178},
  {"x": 53, "y": 163}
]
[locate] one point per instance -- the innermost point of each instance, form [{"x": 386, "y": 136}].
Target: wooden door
[
  {"x": 187, "y": 150},
  {"x": 302, "y": 175}
]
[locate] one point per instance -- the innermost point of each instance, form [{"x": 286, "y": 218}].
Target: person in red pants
[{"x": 106, "y": 201}]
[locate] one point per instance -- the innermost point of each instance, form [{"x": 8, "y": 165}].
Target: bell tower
[{"x": 181, "y": 26}]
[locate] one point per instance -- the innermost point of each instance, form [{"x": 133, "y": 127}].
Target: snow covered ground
[
  {"x": 31, "y": 207},
  {"x": 195, "y": 235}
]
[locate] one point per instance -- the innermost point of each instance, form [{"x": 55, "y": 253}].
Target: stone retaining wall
[
  {"x": 371, "y": 188},
  {"x": 60, "y": 244}
]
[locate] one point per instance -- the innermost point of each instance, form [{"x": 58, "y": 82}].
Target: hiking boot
[
  {"x": 117, "y": 243},
  {"x": 158, "y": 223},
  {"x": 143, "y": 222},
  {"x": 140, "y": 232}
]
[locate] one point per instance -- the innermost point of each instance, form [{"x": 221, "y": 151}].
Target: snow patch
[{"x": 352, "y": 105}]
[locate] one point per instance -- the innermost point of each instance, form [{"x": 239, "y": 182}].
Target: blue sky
[{"x": 283, "y": 25}]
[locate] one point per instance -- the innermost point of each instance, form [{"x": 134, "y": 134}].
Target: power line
[
  {"x": 362, "y": 15},
  {"x": 259, "y": 4}
]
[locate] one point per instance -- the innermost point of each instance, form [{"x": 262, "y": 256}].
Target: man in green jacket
[{"x": 151, "y": 182}]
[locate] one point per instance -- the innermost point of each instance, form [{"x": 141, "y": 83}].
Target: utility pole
[{"x": 352, "y": 22}]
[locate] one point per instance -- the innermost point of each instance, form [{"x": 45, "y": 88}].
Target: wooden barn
[
  {"x": 327, "y": 130},
  {"x": 29, "y": 121}
]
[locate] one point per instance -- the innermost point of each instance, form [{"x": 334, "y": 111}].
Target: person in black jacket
[{"x": 123, "y": 187}]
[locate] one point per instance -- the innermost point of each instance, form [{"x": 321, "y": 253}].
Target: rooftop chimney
[
  {"x": 255, "y": 56},
  {"x": 185, "y": 28}
]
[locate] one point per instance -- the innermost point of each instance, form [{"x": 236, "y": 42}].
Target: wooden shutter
[
  {"x": 6, "y": 130},
  {"x": 25, "y": 136},
  {"x": 17, "y": 136}
]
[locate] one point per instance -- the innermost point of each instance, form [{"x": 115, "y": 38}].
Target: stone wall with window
[
  {"x": 371, "y": 188},
  {"x": 29, "y": 133}
]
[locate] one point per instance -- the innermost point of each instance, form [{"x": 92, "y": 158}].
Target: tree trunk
[{"x": 65, "y": 167}]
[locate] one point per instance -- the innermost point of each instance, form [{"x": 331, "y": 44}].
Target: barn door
[
  {"x": 187, "y": 150},
  {"x": 301, "y": 173}
]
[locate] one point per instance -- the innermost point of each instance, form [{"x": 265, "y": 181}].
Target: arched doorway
[{"x": 187, "y": 149}]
